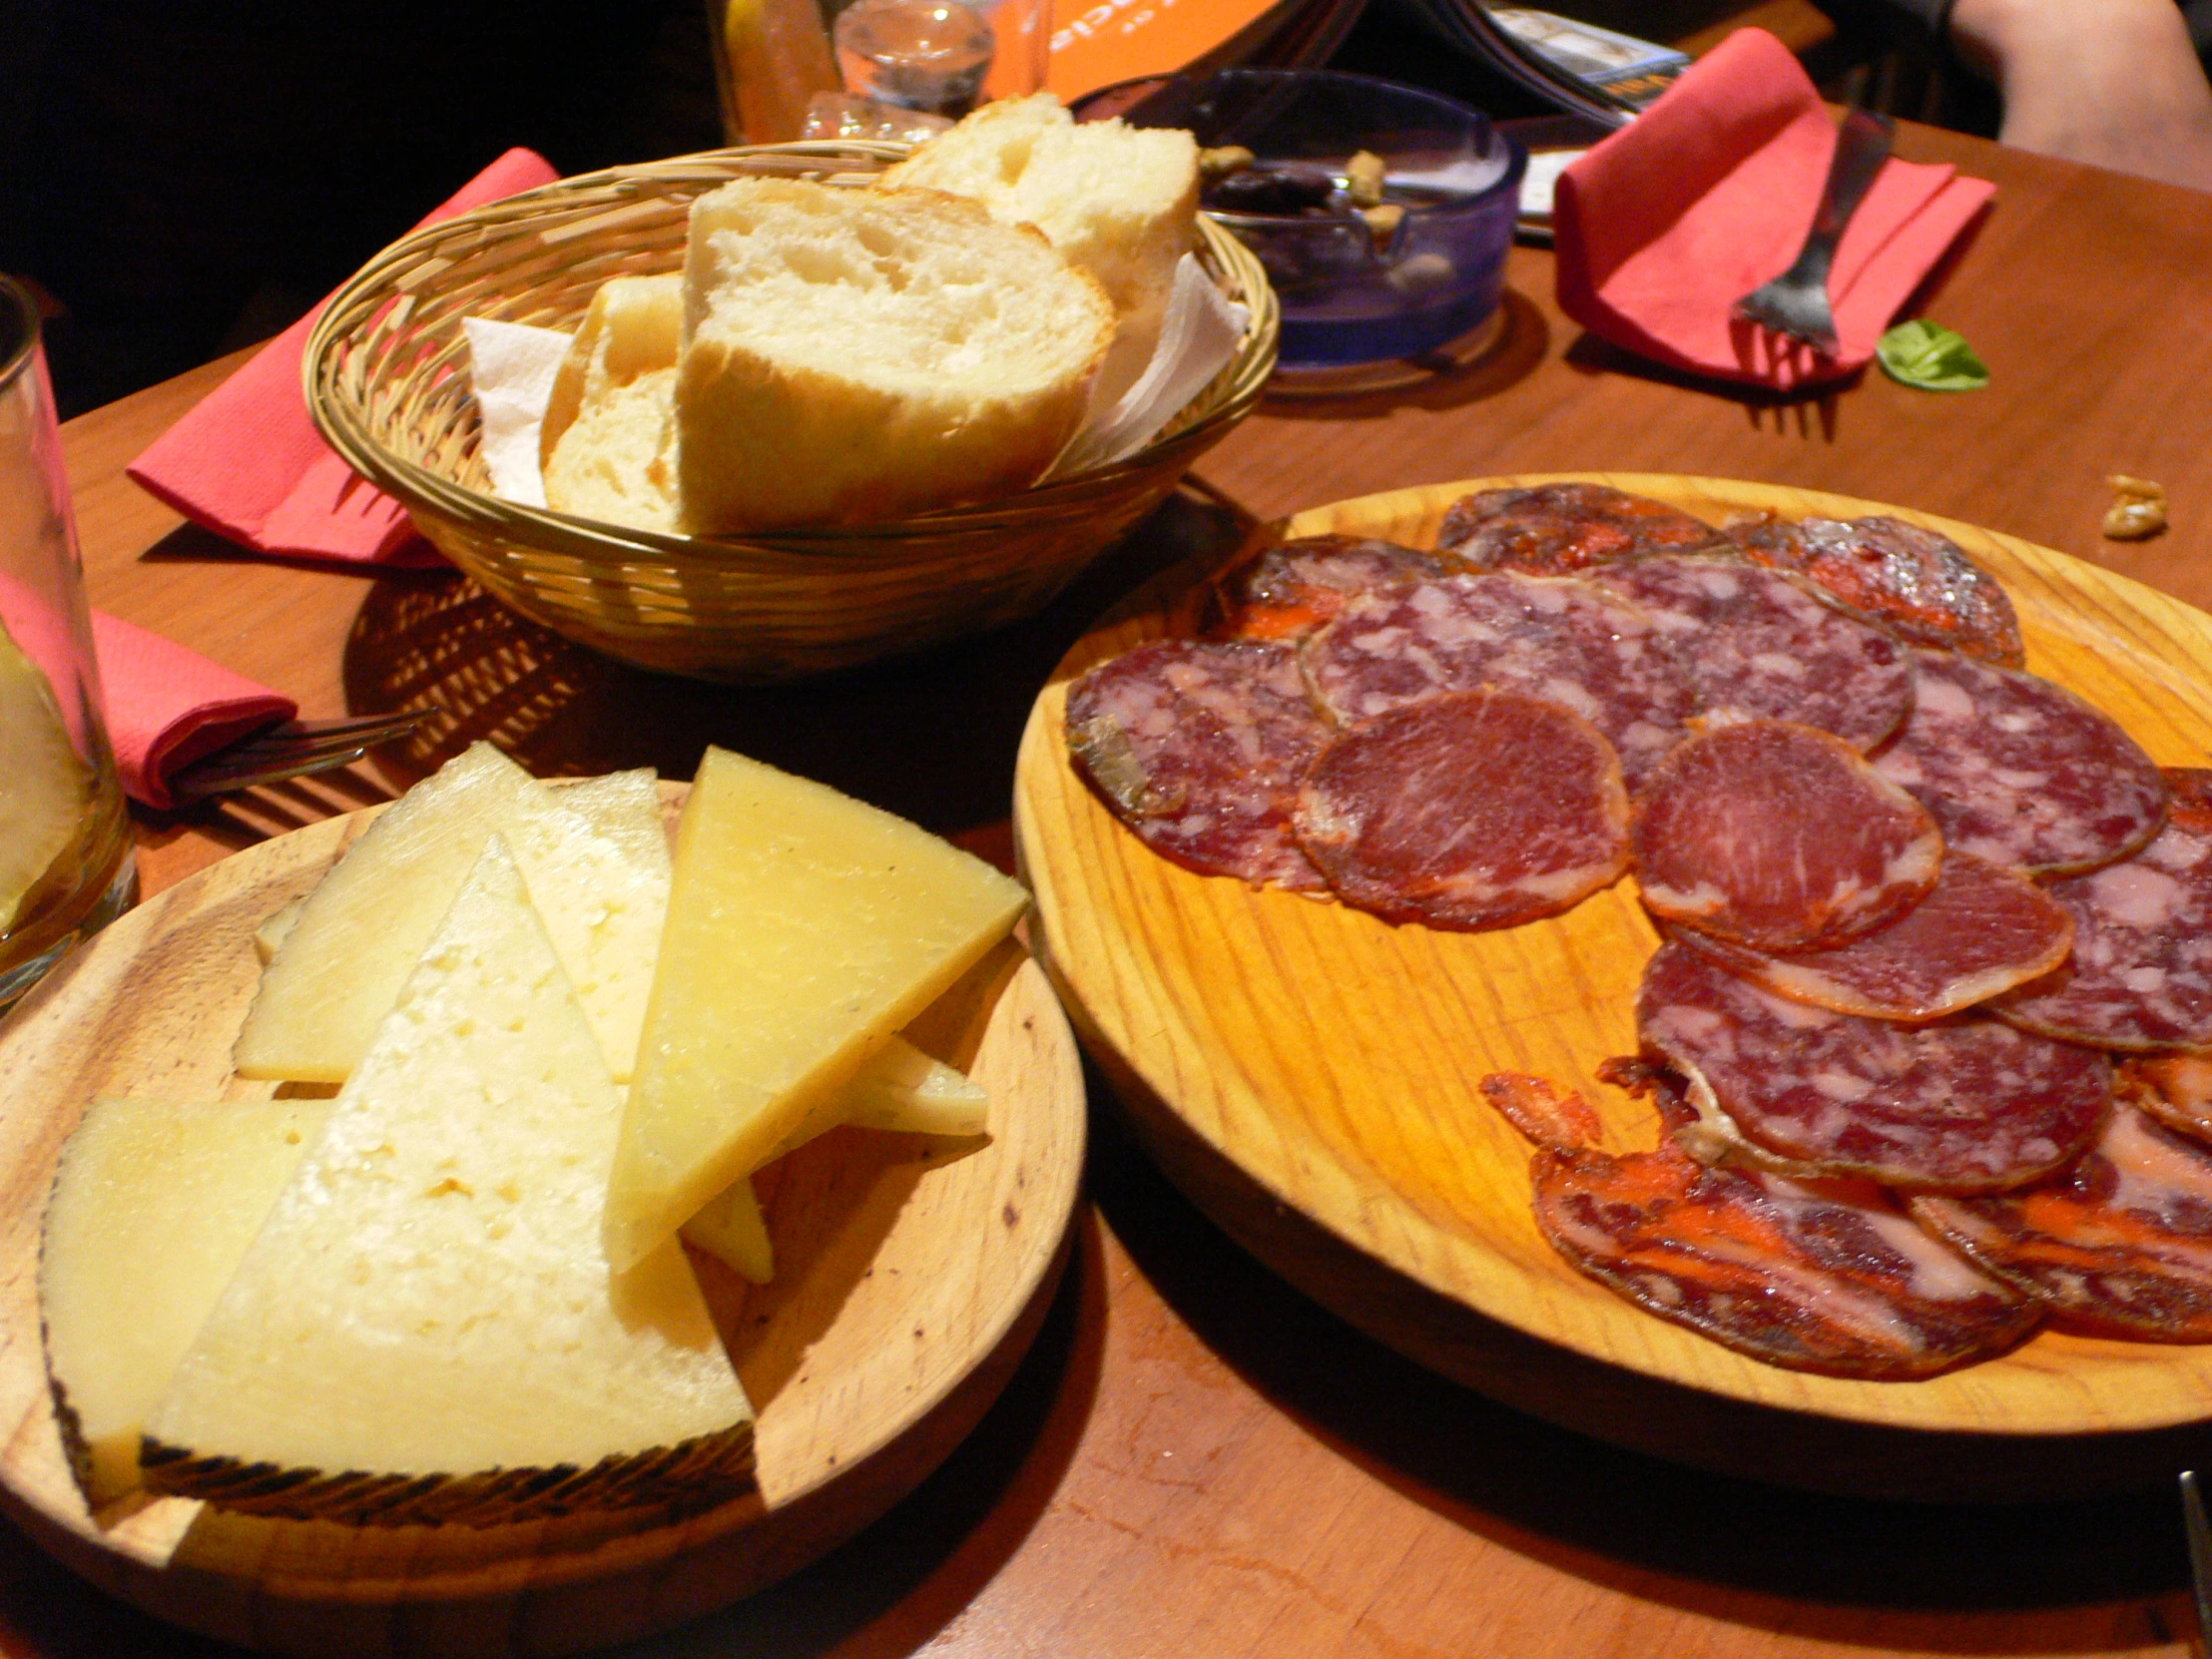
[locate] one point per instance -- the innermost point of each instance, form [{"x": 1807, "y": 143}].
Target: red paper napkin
[
  {"x": 1709, "y": 192},
  {"x": 168, "y": 706},
  {"x": 247, "y": 463}
]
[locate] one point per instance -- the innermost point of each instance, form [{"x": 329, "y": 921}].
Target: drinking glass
[{"x": 65, "y": 847}]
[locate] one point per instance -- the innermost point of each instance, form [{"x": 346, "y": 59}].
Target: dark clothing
[{"x": 1931, "y": 19}]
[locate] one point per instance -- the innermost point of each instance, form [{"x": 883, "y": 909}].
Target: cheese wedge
[
  {"x": 603, "y": 899},
  {"x": 804, "y": 929},
  {"x": 48, "y": 786},
  {"x": 426, "y": 1327},
  {"x": 733, "y": 1231},
  {"x": 276, "y": 931},
  {"x": 152, "y": 1209}
]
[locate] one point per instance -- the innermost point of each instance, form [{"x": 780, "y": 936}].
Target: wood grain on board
[
  {"x": 1332, "y": 1058},
  {"x": 910, "y": 1274}
]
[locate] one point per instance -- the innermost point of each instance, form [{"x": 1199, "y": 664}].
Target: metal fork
[
  {"x": 289, "y": 749},
  {"x": 1796, "y": 302}
]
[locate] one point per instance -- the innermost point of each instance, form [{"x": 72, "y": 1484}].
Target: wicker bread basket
[{"x": 387, "y": 374}]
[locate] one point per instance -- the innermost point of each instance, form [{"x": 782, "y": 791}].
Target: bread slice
[
  {"x": 859, "y": 355},
  {"x": 1120, "y": 202},
  {"x": 607, "y": 428}
]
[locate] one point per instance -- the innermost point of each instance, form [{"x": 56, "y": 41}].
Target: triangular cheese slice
[
  {"x": 47, "y": 784},
  {"x": 426, "y": 1327}
]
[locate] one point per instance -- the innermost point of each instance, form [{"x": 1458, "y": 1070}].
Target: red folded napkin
[
  {"x": 1709, "y": 192},
  {"x": 247, "y": 463},
  {"x": 168, "y": 706}
]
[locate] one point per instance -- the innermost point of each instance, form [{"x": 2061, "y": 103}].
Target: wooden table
[{"x": 1195, "y": 1460}]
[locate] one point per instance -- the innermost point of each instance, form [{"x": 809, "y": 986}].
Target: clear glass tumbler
[{"x": 66, "y": 868}]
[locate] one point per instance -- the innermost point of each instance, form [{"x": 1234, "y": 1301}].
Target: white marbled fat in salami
[
  {"x": 2119, "y": 1243},
  {"x": 1779, "y": 836},
  {"x": 1818, "y": 1276},
  {"x": 1559, "y": 529},
  {"x": 1294, "y": 587},
  {"x": 2140, "y": 976},
  {"x": 1552, "y": 637},
  {"x": 1760, "y": 643},
  {"x": 1470, "y": 810},
  {"x": 2021, "y": 771},
  {"x": 1964, "y": 1105},
  {"x": 1981, "y": 931},
  {"x": 1200, "y": 749}
]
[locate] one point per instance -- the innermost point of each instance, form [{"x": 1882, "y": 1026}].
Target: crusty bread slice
[
  {"x": 1120, "y": 202},
  {"x": 858, "y": 354},
  {"x": 607, "y": 428}
]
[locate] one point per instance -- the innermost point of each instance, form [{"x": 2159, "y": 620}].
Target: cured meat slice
[
  {"x": 2140, "y": 976},
  {"x": 1763, "y": 644},
  {"x": 1780, "y": 837},
  {"x": 2176, "y": 1089},
  {"x": 1200, "y": 747},
  {"x": 1481, "y": 809},
  {"x": 1982, "y": 930},
  {"x": 1294, "y": 587},
  {"x": 1825, "y": 1275},
  {"x": 1552, "y": 637},
  {"x": 1559, "y": 529},
  {"x": 2021, "y": 772},
  {"x": 1543, "y": 1112},
  {"x": 2120, "y": 1244},
  {"x": 1964, "y": 1105},
  {"x": 1920, "y": 585}
]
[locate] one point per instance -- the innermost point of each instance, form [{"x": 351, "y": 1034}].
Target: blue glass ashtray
[{"x": 1355, "y": 290}]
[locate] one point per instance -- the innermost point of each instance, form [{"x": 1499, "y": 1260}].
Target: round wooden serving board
[
  {"x": 910, "y": 1276},
  {"x": 1308, "y": 1074}
]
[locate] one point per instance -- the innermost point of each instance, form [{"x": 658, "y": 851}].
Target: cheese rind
[
  {"x": 804, "y": 929},
  {"x": 428, "y": 1303},
  {"x": 153, "y": 1207}
]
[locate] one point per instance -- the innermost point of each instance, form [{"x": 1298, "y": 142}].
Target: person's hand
[{"x": 2115, "y": 83}]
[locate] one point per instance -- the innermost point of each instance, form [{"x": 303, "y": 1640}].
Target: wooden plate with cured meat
[{"x": 1308, "y": 1074}]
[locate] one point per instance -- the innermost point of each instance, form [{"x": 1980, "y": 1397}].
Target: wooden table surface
[{"x": 1194, "y": 1459}]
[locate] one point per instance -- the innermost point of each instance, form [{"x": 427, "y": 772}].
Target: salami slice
[
  {"x": 1964, "y": 1105},
  {"x": 1551, "y": 636},
  {"x": 1471, "y": 810},
  {"x": 1920, "y": 585},
  {"x": 1825, "y": 1275},
  {"x": 1559, "y": 529},
  {"x": 2140, "y": 976},
  {"x": 2120, "y": 1244},
  {"x": 2176, "y": 1089},
  {"x": 1780, "y": 837},
  {"x": 1763, "y": 644},
  {"x": 1981, "y": 931},
  {"x": 1294, "y": 587},
  {"x": 2021, "y": 772},
  {"x": 1200, "y": 749}
]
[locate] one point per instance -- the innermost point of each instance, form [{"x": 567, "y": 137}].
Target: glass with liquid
[{"x": 65, "y": 843}]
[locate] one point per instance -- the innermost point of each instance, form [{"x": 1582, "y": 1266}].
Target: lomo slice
[
  {"x": 1917, "y": 583},
  {"x": 1556, "y": 638},
  {"x": 1199, "y": 748},
  {"x": 1981, "y": 931},
  {"x": 2120, "y": 1244},
  {"x": 1473, "y": 809},
  {"x": 2021, "y": 772},
  {"x": 2140, "y": 976},
  {"x": 1763, "y": 644},
  {"x": 1964, "y": 1105},
  {"x": 1825, "y": 1276},
  {"x": 1778, "y": 836},
  {"x": 1293, "y": 588},
  {"x": 1559, "y": 529}
]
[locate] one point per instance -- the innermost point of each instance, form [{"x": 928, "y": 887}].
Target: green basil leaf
[{"x": 1932, "y": 357}]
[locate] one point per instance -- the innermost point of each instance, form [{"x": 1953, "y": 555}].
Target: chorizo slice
[
  {"x": 1765, "y": 644},
  {"x": 1292, "y": 588},
  {"x": 2119, "y": 1243},
  {"x": 2021, "y": 772},
  {"x": 1780, "y": 837},
  {"x": 1200, "y": 747},
  {"x": 1980, "y": 932},
  {"x": 1559, "y": 529},
  {"x": 1473, "y": 809},
  {"x": 1964, "y": 1105},
  {"x": 2176, "y": 1089},
  {"x": 1917, "y": 583}
]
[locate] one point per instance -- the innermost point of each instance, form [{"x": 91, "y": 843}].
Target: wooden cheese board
[
  {"x": 1308, "y": 1073},
  {"x": 911, "y": 1276}
]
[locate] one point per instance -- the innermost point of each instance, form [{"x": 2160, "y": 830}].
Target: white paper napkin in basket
[{"x": 512, "y": 366}]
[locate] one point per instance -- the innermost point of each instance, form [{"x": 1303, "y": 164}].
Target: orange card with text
[{"x": 1098, "y": 42}]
